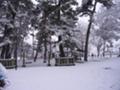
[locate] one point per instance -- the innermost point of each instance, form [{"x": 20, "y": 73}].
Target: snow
[
  {"x": 97, "y": 74},
  {"x": 34, "y": 2},
  {"x": 3, "y": 72},
  {"x": 54, "y": 38}
]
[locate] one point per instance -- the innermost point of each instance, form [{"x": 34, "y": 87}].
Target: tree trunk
[
  {"x": 50, "y": 54},
  {"x": 8, "y": 53},
  {"x": 3, "y": 52},
  {"x": 59, "y": 4},
  {"x": 15, "y": 52},
  {"x": 104, "y": 49},
  {"x": 35, "y": 58},
  {"x": 88, "y": 33},
  {"x": 37, "y": 51},
  {"x": 24, "y": 65},
  {"x": 87, "y": 41},
  {"x": 45, "y": 50},
  {"x": 98, "y": 52},
  {"x": 62, "y": 54}
]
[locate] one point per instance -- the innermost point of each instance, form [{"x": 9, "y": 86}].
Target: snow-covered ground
[{"x": 102, "y": 74}]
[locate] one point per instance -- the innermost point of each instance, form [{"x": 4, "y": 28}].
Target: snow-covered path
[{"x": 97, "y": 75}]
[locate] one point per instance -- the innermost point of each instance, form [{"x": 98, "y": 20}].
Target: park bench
[
  {"x": 8, "y": 63},
  {"x": 64, "y": 61}
]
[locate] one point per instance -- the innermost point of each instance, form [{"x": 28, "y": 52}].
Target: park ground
[{"x": 96, "y": 74}]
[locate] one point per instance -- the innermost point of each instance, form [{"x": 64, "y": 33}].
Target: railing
[{"x": 8, "y": 63}]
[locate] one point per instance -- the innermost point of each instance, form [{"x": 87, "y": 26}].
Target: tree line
[{"x": 48, "y": 17}]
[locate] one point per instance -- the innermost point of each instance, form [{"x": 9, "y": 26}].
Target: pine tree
[
  {"x": 14, "y": 10},
  {"x": 56, "y": 16},
  {"x": 86, "y": 9}
]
